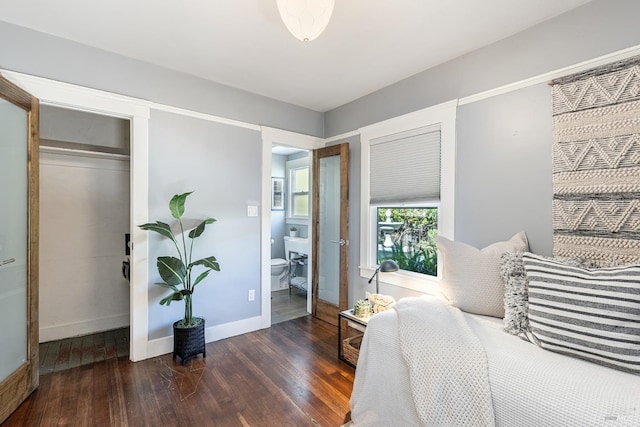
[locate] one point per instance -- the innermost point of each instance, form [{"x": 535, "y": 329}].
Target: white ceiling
[{"x": 368, "y": 44}]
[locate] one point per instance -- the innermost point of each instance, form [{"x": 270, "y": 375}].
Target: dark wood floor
[
  {"x": 84, "y": 350},
  {"x": 288, "y": 375}
]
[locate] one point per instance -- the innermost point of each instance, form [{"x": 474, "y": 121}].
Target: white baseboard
[
  {"x": 84, "y": 327},
  {"x": 164, "y": 345}
]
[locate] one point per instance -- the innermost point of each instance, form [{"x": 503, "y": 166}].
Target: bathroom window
[{"x": 299, "y": 192}]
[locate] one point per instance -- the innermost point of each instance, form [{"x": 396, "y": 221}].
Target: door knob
[{"x": 341, "y": 242}]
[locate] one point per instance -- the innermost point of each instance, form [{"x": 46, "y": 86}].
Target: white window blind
[{"x": 405, "y": 167}]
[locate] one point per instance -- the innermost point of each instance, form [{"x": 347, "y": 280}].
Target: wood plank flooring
[
  {"x": 84, "y": 350},
  {"x": 288, "y": 375},
  {"x": 285, "y": 306}
]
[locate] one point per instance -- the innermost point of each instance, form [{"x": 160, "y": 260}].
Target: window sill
[
  {"x": 407, "y": 280},
  {"x": 300, "y": 220}
]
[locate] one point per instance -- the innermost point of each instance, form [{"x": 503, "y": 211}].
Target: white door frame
[
  {"x": 84, "y": 99},
  {"x": 272, "y": 136}
]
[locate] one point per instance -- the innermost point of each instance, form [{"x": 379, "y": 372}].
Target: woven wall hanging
[{"x": 596, "y": 164}]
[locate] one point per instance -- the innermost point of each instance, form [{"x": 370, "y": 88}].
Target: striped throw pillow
[{"x": 592, "y": 314}]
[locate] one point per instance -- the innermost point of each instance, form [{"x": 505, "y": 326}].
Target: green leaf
[
  {"x": 196, "y": 232},
  {"x": 176, "y": 205},
  {"x": 160, "y": 228},
  {"x": 168, "y": 286},
  {"x": 185, "y": 292},
  {"x": 209, "y": 262},
  {"x": 172, "y": 270},
  {"x": 200, "y": 277},
  {"x": 176, "y": 296}
]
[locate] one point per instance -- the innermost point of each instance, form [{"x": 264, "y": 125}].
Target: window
[
  {"x": 407, "y": 236},
  {"x": 407, "y": 185},
  {"x": 299, "y": 191},
  {"x": 404, "y": 168},
  {"x": 298, "y": 202}
]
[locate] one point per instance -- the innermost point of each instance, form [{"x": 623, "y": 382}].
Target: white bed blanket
[
  {"x": 529, "y": 386},
  {"x": 447, "y": 364}
]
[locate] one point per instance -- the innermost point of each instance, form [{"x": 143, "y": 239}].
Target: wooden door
[
  {"x": 330, "y": 284},
  {"x": 18, "y": 246}
]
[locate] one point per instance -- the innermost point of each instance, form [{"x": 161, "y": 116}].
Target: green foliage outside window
[{"x": 407, "y": 236}]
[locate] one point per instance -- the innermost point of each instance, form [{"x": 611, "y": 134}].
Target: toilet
[
  {"x": 280, "y": 267},
  {"x": 279, "y": 274}
]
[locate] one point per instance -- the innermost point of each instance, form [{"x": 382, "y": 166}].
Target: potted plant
[
  {"x": 176, "y": 273},
  {"x": 293, "y": 231}
]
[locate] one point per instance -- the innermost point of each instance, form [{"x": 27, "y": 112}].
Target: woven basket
[{"x": 351, "y": 348}]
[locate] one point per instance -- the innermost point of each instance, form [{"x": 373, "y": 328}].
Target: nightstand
[{"x": 353, "y": 327}]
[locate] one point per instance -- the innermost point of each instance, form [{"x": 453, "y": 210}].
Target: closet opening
[{"x": 84, "y": 237}]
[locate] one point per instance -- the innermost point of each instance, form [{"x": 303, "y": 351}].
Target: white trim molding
[
  {"x": 139, "y": 206},
  {"x": 86, "y": 326},
  {"x": 343, "y": 136}
]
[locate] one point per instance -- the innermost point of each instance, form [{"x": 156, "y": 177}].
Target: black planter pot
[{"x": 188, "y": 342}]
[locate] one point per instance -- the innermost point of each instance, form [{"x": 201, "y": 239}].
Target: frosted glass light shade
[{"x": 306, "y": 19}]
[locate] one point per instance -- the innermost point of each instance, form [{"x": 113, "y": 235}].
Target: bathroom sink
[{"x": 296, "y": 244}]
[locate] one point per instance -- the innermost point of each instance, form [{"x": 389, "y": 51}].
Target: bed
[
  {"x": 427, "y": 362},
  {"x": 529, "y": 385}
]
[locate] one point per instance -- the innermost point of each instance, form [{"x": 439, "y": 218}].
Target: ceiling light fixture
[{"x": 306, "y": 19}]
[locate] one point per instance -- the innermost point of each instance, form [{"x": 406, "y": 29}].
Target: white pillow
[{"x": 471, "y": 278}]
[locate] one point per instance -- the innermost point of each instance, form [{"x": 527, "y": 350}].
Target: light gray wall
[
  {"x": 222, "y": 165},
  {"x": 503, "y": 169},
  {"x": 595, "y": 29},
  {"x": 40, "y": 54},
  {"x": 62, "y": 124}
]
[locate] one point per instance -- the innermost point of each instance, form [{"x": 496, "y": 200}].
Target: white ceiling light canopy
[{"x": 306, "y": 19}]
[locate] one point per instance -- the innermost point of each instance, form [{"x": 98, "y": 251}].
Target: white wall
[{"x": 84, "y": 214}]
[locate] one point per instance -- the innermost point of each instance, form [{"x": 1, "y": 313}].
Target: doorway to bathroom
[{"x": 290, "y": 233}]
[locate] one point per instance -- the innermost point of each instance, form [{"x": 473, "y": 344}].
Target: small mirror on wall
[{"x": 277, "y": 194}]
